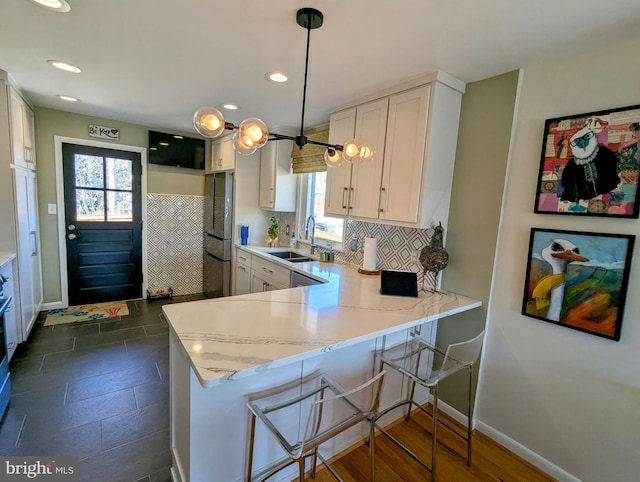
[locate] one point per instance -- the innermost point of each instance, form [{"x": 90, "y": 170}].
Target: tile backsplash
[
  {"x": 175, "y": 242},
  {"x": 398, "y": 247}
]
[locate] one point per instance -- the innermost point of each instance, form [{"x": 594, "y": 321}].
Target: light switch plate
[{"x": 51, "y": 209}]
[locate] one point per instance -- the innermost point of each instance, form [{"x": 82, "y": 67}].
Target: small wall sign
[{"x": 104, "y": 132}]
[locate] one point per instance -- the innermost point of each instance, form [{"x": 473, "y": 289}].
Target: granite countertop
[{"x": 234, "y": 337}]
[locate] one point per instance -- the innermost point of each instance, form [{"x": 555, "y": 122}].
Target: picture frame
[
  {"x": 578, "y": 279},
  {"x": 590, "y": 163}
]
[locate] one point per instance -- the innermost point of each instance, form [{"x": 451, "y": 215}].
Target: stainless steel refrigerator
[{"x": 218, "y": 227}]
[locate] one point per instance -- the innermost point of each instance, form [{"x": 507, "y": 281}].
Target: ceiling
[{"x": 154, "y": 62}]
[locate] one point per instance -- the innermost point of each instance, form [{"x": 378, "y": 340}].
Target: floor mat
[{"x": 93, "y": 311}]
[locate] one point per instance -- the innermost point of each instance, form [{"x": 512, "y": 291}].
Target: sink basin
[
  {"x": 287, "y": 255},
  {"x": 291, "y": 256}
]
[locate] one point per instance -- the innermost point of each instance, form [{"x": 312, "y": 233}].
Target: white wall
[{"x": 569, "y": 397}]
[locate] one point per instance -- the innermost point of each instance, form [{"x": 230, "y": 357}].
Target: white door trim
[{"x": 62, "y": 230}]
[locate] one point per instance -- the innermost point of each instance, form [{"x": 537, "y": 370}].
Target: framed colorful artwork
[
  {"x": 578, "y": 279},
  {"x": 589, "y": 164}
]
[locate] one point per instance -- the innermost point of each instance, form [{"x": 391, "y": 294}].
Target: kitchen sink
[{"x": 291, "y": 256}]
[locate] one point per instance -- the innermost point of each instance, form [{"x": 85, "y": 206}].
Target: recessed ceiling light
[
  {"x": 58, "y": 5},
  {"x": 58, "y": 64},
  {"x": 178, "y": 137},
  {"x": 164, "y": 144},
  {"x": 230, "y": 106},
  {"x": 68, "y": 98},
  {"x": 276, "y": 76}
]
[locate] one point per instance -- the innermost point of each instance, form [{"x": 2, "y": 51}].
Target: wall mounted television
[{"x": 176, "y": 150}]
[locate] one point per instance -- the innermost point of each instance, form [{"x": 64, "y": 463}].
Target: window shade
[{"x": 311, "y": 157}]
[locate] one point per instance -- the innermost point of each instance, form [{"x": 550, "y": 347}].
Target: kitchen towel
[{"x": 370, "y": 255}]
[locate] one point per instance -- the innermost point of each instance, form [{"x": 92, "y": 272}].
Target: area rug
[{"x": 94, "y": 311}]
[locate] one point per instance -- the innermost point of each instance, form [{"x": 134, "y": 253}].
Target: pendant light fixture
[{"x": 253, "y": 133}]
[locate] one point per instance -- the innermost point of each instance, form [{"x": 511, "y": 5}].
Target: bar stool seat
[
  {"x": 428, "y": 365},
  {"x": 304, "y": 414}
]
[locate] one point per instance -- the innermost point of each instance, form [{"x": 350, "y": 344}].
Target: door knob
[
  {"x": 72, "y": 236},
  {"x": 71, "y": 227}
]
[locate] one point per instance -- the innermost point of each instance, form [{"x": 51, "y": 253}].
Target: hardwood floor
[{"x": 490, "y": 461}]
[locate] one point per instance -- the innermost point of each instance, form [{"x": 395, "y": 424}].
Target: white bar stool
[
  {"x": 304, "y": 414},
  {"x": 406, "y": 359}
]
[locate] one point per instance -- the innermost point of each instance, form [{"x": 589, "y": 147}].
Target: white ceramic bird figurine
[
  {"x": 549, "y": 291},
  {"x": 434, "y": 257}
]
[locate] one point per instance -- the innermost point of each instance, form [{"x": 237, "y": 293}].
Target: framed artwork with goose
[
  {"x": 578, "y": 279},
  {"x": 590, "y": 163}
]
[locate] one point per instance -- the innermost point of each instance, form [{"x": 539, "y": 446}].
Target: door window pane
[
  {"x": 88, "y": 171},
  {"x": 119, "y": 206},
  {"x": 89, "y": 205},
  {"x": 119, "y": 174}
]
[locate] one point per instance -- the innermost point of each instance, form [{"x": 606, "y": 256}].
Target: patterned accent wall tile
[
  {"x": 175, "y": 242},
  {"x": 398, "y": 247}
]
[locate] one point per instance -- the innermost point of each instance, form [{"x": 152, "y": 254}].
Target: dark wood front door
[{"x": 103, "y": 213}]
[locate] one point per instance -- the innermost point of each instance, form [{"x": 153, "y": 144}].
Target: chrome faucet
[{"x": 311, "y": 220}]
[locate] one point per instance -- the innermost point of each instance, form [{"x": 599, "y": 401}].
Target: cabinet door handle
[
  {"x": 351, "y": 196},
  {"x": 242, "y": 268},
  {"x": 35, "y": 243},
  {"x": 242, "y": 258},
  {"x": 382, "y": 191},
  {"x": 344, "y": 198},
  {"x": 270, "y": 271}
]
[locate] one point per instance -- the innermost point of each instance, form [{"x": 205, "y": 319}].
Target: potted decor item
[{"x": 273, "y": 231}]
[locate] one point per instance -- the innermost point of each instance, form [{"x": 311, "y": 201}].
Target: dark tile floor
[{"x": 97, "y": 390}]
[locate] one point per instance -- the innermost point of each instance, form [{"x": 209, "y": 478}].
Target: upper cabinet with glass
[
  {"x": 414, "y": 129},
  {"x": 22, "y": 131}
]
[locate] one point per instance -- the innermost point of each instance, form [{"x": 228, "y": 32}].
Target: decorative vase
[{"x": 271, "y": 242}]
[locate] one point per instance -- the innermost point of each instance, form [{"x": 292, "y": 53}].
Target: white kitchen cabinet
[
  {"x": 223, "y": 155},
  {"x": 268, "y": 276},
  {"x": 355, "y": 188},
  {"x": 28, "y": 244},
  {"x": 277, "y": 183},
  {"x": 409, "y": 181},
  {"x": 18, "y": 198},
  {"x": 403, "y": 155},
  {"x": 260, "y": 283},
  {"x": 243, "y": 272},
  {"x": 11, "y": 320},
  {"x": 22, "y": 131},
  {"x": 341, "y": 128}
]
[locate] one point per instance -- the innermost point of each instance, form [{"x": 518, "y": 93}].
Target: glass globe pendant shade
[
  {"x": 366, "y": 153},
  {"x": 209, "y": 122},
  {"x": 242, "y": 148},
  {"x": 253, "y": 132},
  {"x": 351, "y": 151},
  {"x": 333, "y": 158}
]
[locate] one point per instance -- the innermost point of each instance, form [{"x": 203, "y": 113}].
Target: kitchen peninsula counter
[
  {"x": 223, "y": 349},
  {"x": 234, "y": 337}
]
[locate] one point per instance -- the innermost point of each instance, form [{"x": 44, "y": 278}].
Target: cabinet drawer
[
  {"x": 278, "y": 274},
  {"x": 243, "y": 258}
]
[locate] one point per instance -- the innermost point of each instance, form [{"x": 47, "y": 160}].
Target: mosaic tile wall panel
[{"x": 175, "y": 242}]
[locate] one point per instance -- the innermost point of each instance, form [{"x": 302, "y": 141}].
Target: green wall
[
  {"x": 50, "y": 123},
  {"x": 484, "y": 138}
]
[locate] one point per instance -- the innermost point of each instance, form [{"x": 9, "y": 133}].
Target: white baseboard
[
  {"x": 56, "y": 305},
  {"x": 510, "y": 444},
  {"x": 527, "y": 454}
]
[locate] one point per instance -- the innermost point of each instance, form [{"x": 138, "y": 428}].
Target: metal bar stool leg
[
  {"x": 469, "y": 415},
  {"x": 253, "y": 435},
  {"x": 435, "y": 430}
]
